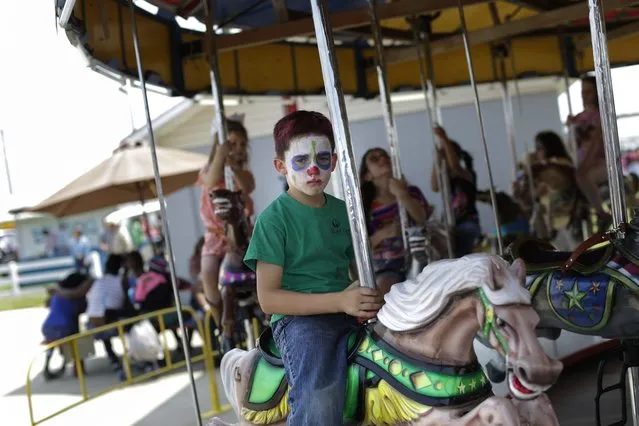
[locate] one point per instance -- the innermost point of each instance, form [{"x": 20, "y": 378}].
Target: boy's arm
[
  {"x": 355, "y": 300},
  {"x": 274, "y": 300}
]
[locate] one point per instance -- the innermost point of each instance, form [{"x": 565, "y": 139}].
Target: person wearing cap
[{"x": 153, "y": 288}]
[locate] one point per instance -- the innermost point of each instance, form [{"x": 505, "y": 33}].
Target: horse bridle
[{"x": 490, "y": 324}]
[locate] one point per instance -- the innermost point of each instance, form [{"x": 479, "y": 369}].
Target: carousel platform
[{"x": 573, "y": 396}]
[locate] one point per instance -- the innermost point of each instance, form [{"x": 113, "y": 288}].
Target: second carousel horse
[
  {"x": 236, "y": 280},
  {"x": 592, "y": 291},
  {"x": 512, "y": 218}
]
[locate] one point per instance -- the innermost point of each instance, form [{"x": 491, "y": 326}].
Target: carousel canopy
[{"x": 267, "y": 46}]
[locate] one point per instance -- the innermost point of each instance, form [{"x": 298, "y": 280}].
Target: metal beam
[
  {"x": 339, "y": 21},
  {"x": 281, "y": 11},
  {"x": 507, "y": 30},
  {"x": 538, "y": 5},
  {"x": 389, "y": 33},
  {"x": 623, "y": 31}
]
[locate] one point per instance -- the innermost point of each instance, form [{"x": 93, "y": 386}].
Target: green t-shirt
[{"x": 312, "y": 245}]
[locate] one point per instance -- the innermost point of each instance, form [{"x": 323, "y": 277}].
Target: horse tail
[{"x": 227, "y": 372}]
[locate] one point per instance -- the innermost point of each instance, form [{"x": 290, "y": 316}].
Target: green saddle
[
  {"x": 268, "y": 380},
  {"x": 542, "y": 256},
  {"x": 370, "y": 360}
]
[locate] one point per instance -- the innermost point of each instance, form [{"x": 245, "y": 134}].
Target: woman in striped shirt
[{"x": 381, "y": 196}]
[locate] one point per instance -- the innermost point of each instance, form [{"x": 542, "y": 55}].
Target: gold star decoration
[
  {"x": 461, "y": 388},
  {"x": 472, "y": 384},
  {"x": 575, "y": 297},
  {"x": 594, "y": 288},
  {"x": 483, "y": 379},
  {"x": 559, "y": 285}
]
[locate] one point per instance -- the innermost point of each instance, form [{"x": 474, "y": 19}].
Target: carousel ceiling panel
[
  {"x": 477, "y": 16},
  {"x": 256, "y": 59}
]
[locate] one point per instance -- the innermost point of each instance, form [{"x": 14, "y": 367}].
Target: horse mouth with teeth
[{"x": 520, "y": 389}]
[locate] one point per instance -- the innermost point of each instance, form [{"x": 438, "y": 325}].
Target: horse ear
[
  {"x": 519, "y": 269},
  {"x": 494, "y": 276}
]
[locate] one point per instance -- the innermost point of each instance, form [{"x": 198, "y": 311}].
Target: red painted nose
[{"x": 313, "y": 171}]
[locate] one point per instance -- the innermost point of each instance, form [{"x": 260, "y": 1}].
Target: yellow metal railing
[{"x": 206, "y": 356}]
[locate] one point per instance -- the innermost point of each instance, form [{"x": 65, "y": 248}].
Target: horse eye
[{"x": 500, "y": 322}]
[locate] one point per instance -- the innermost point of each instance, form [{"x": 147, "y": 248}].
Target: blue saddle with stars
[{"x": 583, "y": 301}]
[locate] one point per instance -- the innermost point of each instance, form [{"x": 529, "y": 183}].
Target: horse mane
[{"x": 415, "y": 303}]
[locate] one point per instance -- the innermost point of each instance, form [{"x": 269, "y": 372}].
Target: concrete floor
[{"x": 167, "y": 400}]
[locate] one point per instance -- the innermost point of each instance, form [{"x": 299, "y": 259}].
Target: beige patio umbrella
[{"x": 124, "y": 177}]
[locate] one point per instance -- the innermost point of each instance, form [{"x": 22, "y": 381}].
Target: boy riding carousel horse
[{"x": 302, "y": 251}]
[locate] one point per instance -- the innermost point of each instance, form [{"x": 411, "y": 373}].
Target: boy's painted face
[{"x": 309, "y": 163}]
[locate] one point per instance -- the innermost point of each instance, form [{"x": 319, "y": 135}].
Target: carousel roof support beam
[
  {"x": 494, "y": 13},
  {"x": 623, "y": 31},
  {"x": 281, "y": 11},
  {"x": 67, "y": 11},
  {"x": 507, "y": 30},
  {"x": 538, "y": 5},
  {"x": 389, "y": 33},
  {"x": 339, "y": 21}
]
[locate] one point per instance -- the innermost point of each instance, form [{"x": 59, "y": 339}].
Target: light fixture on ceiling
[
  {"x": 209, "y": 101},
  {"x": 407, "y": 97},
  {"x": 145, "y": 5}
]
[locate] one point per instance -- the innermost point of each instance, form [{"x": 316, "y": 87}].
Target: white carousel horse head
[{"x": 415, "y": 303}]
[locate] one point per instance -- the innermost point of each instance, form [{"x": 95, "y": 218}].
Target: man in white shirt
[{"x": 105, "y": 302}]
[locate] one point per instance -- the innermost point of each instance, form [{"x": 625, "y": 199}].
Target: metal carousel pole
[
  {"x": 165, "y": 221},
  {"x": 216, "y": 86},
  {"x": 508, "y": 108},
  {"x": 572, "y": 142},
  {"x": 441, "y": 169},
  {"x": 527, "y": 147},
  {"x": 471, "y": 71},
  {"x": 389, "y": 118},
  {"x": 347, "y": 168},
  {"x": 572, "y": 137},
  {"x": 612, "y": 149}
]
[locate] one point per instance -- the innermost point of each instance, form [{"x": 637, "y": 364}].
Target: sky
[{"x": 60, "y": 119}]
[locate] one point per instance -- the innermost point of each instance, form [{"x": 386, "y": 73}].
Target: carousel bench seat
[{"x": 538, "y": 254}]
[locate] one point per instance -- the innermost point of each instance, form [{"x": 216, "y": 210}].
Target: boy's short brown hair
[{"x": 300, "y": 123}]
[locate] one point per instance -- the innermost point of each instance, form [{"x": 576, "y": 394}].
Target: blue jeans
[
  {"x": 315, "y": 350},
  {"x": 466, "y": 235}
]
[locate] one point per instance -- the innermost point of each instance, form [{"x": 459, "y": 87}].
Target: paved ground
[{"x": 167, "y": 400}]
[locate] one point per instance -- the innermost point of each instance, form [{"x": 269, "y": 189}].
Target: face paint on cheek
[{"x": 309, "y": 161}]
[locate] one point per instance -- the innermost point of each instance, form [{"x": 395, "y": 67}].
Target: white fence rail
[{"x": 43, "y": 271}]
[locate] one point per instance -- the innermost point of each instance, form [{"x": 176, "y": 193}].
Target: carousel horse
[
  {"x": 559, "y": 214},
  {"x": 426, "y": 244},
  {"x": 236, "y": 280},
  {"x": 416, "y": 365},
  {"x": 592, "y": 291},
  {"x": 512, "y": 218}
]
